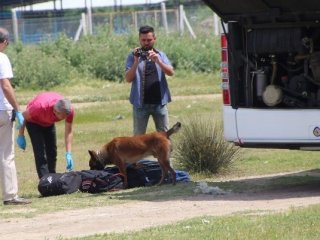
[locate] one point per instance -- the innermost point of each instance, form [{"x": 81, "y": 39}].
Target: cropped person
[
  {"x": 9, "y": 110},
  {"x": 40, "y": 116},
  {"x": 146, "y": 70}
]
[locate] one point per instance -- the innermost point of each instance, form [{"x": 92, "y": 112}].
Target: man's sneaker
[{"x": 17, "y": 201}]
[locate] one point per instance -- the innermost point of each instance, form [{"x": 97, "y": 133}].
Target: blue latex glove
[
  {"x": 69, "y": 161},
  {"x": 20, "y": 119},
  {"x": 21, "y": 141}
]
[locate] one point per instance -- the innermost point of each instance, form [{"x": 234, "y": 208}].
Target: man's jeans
[{"x": 141, "y": 116}]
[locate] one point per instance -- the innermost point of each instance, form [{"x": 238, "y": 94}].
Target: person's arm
[
  {"x": 166, "y": 68},
  {"x": 131, "y": 73},
  {"x": 68, "y": 136},
  {"x": 10, "y": 96},
  {"x": 9, "y": 93},
  {"x": 26, "y": 116}
]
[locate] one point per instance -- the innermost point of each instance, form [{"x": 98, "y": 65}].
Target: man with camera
[{"x": 146, "y": 70}]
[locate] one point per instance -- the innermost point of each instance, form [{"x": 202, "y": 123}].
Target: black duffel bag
[
  {"x": 52, "y": 184},
  {"x": 97, "y": 181}
]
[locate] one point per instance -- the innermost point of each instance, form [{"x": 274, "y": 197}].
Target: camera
[{"x": 142, "y": 53}]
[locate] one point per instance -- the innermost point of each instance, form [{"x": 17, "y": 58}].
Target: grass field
[
  {"x": 293, "y": 225},
  {"x": 103, "y": 112}
]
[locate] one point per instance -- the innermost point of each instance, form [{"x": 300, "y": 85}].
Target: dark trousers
[{"x": 44, "y": 144}]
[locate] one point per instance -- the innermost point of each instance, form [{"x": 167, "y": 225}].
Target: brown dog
[{"x": 122, "y": 150}]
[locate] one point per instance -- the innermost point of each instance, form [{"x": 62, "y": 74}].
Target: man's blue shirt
[{"x": 136, "y": 94}]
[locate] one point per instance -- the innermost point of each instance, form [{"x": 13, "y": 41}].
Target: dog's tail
[{"x": 174, "y": 129}]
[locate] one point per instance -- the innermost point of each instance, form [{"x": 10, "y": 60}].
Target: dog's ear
[
  {"x": 94, "y": 162},
  {"x": 93, "y": 154}
]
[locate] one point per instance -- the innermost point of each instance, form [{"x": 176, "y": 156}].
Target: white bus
[{"x": 270, "y": 72}]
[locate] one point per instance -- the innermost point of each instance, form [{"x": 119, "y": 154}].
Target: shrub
[
  {"x": 103, "y": 56},
  {"x": 185, "y": 53},
  {"x": 202, "y": 148},
  {"x": 34, "y": 69},
  {"x": 105, "y": 61}
]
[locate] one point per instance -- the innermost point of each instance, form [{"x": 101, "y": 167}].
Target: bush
[
  {"x": 103, "y": 56},
  {"x": 105, "y": 59},
  {"x": 198, "y": 55},
  {"x": 34, "y": 69},
  {"x": 202, "y": 148}
]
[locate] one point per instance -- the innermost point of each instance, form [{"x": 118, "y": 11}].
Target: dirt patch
[{"x": 142, "y": 214}]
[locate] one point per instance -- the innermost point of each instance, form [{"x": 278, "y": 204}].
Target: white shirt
[{"x": 5, "y": 73}]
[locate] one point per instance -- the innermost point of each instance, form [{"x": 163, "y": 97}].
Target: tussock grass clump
[{"x": 201, "y": 147}]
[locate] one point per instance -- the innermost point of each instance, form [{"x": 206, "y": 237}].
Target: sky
[{"x": 67, "y": 4}]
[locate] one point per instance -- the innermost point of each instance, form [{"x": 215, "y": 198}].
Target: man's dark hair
[
  {"x": 145, "y": 29},
  {"x": 4, "y": 35}
]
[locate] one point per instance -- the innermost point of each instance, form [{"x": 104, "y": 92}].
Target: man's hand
[
  {"x": 154, "y": 56},
  {"x": 21, "y": 141}
]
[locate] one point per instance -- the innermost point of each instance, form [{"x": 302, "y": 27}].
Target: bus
[{"x": 270, "y": 72}]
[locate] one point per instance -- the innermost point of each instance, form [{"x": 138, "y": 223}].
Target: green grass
[
  {"x": 292, "y": 225},
  {"x": 96, "y": 123},
  {"x": 266, "y": 161},
  {"x": 90, "y": 90}
]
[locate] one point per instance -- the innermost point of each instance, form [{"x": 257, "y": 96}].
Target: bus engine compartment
[{"x": 281, "y": 67}]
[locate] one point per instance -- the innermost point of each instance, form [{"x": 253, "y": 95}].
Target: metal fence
[
  {"x": 120, "y": 22},
  {"x": 36, "y": 29}
]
